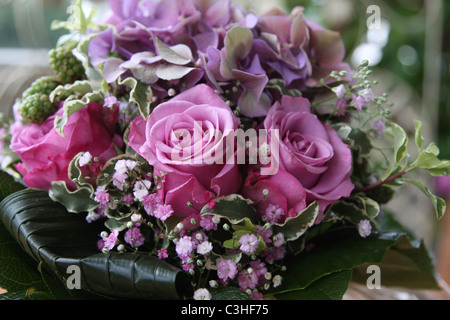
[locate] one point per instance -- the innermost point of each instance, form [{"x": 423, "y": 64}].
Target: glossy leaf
[
  {"x": 57, "y": 239},
  {"x": 329, "y": 287}
]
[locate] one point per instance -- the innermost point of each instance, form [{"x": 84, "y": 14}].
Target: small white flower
[
  {"x": 85, "y": 159},
  {"x": 277, "y": 280},
  {"x": 202, "y": 294},
  {"x": 141, "y": 189},
  {"x": 131, "y": 164},
  {"x": 135, "y": 217},
  {"x": 364, "y": 228},
  {"x": 204, "y": 248},
  {"x": 121, "y": 166}
]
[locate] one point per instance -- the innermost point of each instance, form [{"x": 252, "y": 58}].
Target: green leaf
[
  {"x": 232, "y": 207},
  {"x": 404, "y": 266},
  {"x": 361, "y": 141},
  {"x": 80, "y": 200},
  {"x": 57, "y": 239},
  {"x": 334, "y": 254},
  {"x": 77, "y": 89},
  {"x": 357, "y": 209},
  {"x": 400, "y": 148},
  {"x": 140, "y": 93},
  {"x": 418, "y": 134},
  {"x": 329, "y": 287},
  {"x": 229, "y": 293},
  {"x": 18, "y": 272},
  {"x": 429, "y": 161},
  {"x": 8, "y": 185},
  {"x": 75, "y": 174},
  {"x": 294, "y": 227},
  {"x": 438, "y": 203},
  {"x": 81, "y": 53},
  {"x": 79, "y": 94},
  {"x": 407, "y": 264}
]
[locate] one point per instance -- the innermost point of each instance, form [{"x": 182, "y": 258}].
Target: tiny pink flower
[
  {"x": 163, "y": 254},
  {"x": 100, "y": 244},
  {"x": 258, "y": 267},
  {"x": 128, "y": 197},
  {"x": 249, "y": 243},
  {"x": 163, "y": 211},
  {"x": 266, "y": 234},
  {"x": 380, "y": 127},
  {"x": 256, "y": 295},
  {"x": 341, "y": 106},
  {"x": 134, "y": 237},
  {"x": 274, "y": 213},
  {"x": 101, "y": 195},
  {"x": 150, "y": 203},
  {"x": 207, "y": 223},
  {"x": 184, "y": 247},
  {"x": 120, "y": 180},
  {"x": 111, "y": 241},
  {"x": 358, "y": 102},
  {"x": 278, "y": 240},
  {"x": 110, "y": 102},
  {"x": 339, "y": 91},
  {"x": 247, "y": 280},
  {"x": 226, "y": 269}
]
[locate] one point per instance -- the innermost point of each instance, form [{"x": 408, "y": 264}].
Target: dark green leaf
[
  {"x": 329, "y": 287},
  {"x": 404, "y": 266},
  {"x": 8, "y": 185},
  {"x": 407, "y": 264},
  {"x": 229, "y": 293},
  {"x": 57, "y": 239},
  {"x": 18, "y": 272},
  {"x": 361, "y": 141},
  {"x": 334, "y": 254}
]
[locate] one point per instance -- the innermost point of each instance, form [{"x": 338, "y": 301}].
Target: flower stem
[{"x": 380, "y": 183}]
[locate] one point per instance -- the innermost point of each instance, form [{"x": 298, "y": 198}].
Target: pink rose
[
  {"x": 311, "y": 151},
  {"x": 45, "y": 155},
  {"x": 182, "y": 137},
  {"x": 281, "y": 191}
]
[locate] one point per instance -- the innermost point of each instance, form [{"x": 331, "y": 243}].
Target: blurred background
[{"x": 405, "y": 41}]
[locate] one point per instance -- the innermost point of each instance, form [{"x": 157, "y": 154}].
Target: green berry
[
  {"x": 44, "y": 85},
  {"x": 66, "y": 66},
  {"x": 37, "y": 107}
]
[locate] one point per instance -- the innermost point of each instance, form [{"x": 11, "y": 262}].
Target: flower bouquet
[{"x": 196, "y": 150}]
